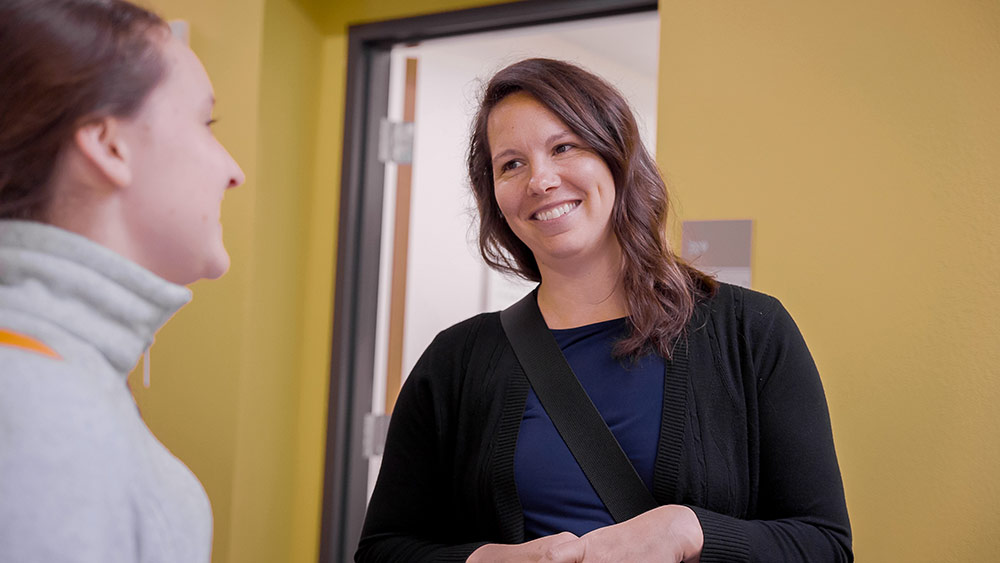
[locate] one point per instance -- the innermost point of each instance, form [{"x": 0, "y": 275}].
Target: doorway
[{"x": 408, "y": 266}]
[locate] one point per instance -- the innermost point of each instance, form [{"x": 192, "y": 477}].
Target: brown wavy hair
[
  {"x": 660, "y": 289},
  {"x": 65, "y": 63}
]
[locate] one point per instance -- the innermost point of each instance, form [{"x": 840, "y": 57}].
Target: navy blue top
[{"x": 555, "y": 494}]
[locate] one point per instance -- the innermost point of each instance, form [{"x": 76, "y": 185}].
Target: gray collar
[{"x": 96, "y": 295}]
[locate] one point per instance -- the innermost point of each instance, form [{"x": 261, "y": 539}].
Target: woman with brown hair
[
  {"x": 708, "y": 388},
  {"x": 110, "y": 189}
]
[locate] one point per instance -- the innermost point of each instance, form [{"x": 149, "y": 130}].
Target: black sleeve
[
  {"x": 410, "y": 517},
  {"x": 802, "y": 514}
]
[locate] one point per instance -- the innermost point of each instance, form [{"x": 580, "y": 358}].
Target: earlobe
[{"x": 103, "y": 146}]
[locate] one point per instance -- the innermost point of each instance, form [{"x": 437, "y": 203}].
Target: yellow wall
[
  {"x": 334, "y": 17},
  {"x": 861, "y": 138},
  {"x": 864, "y": 140},
  {"x": 197, "y": 361},
  {"x": 267, "y": 425},
  {"x": 226, "y": 369}
]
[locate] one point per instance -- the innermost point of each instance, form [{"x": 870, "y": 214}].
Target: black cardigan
[{"x": 745, "y": 441}]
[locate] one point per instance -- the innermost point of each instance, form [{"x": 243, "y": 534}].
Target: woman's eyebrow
[
  {"x": 555, "y": 136},
  {"x": 552, "y": 138},
  {"x": 503, "y": 154}
]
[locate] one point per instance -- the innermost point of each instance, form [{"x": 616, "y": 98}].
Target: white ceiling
[{"x": 632, "y": 40}]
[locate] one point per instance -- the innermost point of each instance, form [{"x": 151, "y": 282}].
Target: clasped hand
[{"x": 668, "y": 533}]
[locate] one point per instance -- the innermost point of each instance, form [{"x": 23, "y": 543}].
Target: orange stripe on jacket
[{"x": 17, "y": 340}]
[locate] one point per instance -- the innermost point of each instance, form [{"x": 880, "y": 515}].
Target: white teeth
[{"x": 556, "y": 212}]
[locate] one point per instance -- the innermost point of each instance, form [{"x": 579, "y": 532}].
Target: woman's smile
[{"x": 552, "y": 213}]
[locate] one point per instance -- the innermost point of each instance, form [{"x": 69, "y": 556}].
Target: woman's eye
[
  {"x": 562, "y": 148},
  {"x": 510, "y": 165}
]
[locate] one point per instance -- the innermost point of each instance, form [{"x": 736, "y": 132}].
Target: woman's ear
[{"x": 103, "y": 146}]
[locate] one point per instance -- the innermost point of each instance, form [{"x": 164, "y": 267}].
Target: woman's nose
[
  {"x": 237, "y": 177},
  {"x": 544, "y": 177}
]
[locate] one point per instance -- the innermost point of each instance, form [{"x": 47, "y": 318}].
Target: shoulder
[
  {"x": 740, "y": 301},
  {"x": 65, "y": 459},
  {"x": 463, "y": 360},
  {"x": 448, "y": 378},
  {"x": 66, "y": 477},
  {"x": 461, "y": 343},
  {"x": 483, "y": 325},
  {"x": 748, "y": 320},
  {"x": 735, "y": 308},
  {"x": 757, "y": 326},
  {"x": 53, "y": 412}
]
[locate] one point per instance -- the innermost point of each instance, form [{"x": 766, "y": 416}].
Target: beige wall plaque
[{"x": 720, "y": 248}]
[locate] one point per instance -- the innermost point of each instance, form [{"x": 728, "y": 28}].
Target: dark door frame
[{"x": 360, "y": 230}]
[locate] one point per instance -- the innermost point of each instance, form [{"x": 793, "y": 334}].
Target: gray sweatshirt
[{"x": 82, "y": 479}]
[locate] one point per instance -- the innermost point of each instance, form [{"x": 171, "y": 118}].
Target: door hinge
[
  {"x": 395, "y": 141},
  {"x": 373, "y": 434}
]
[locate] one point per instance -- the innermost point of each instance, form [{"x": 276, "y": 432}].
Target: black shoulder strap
[{"x": 575, "y": 417}]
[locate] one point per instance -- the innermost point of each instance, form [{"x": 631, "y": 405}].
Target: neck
[
  {"x": 580, "y": 293},
  {"x": 98, "y": 215},
  {"x": 93, "y": 218},
  {"x": 83, "y": 203}
]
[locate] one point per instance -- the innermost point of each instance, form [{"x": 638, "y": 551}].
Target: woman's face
[
  {"x": 554, "y": 191},
  {"x": 179, "y": 174}
]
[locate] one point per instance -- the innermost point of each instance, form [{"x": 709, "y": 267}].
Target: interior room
[{"x": 860, "y": 138}]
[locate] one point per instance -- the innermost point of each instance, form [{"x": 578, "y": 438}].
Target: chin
[
  {"x": 216, "y": 268},
  {"x": 213, "y": 267}
]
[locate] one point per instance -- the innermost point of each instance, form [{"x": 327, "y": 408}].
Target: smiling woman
[
  {"x": 110, "y": 190},
  {"x": 708, "y": 388},
  {"x": 554, "y": 191},
  {"x": 580, "y": 105}
]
